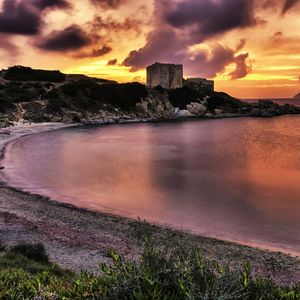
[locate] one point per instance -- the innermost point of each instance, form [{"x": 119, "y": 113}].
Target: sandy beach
[{"x": 79, "y": 239}]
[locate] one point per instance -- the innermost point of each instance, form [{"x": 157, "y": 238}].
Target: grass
[{"x": 172, "y": 271}]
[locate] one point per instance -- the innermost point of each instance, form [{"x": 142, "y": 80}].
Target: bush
[
  {"x": 6, "y": 106},
  {"x": 124, "y": 96},
  {"x": 88, "y": 95},
  {"x": 169, "y": 272},
  {"x": 183, "y": 96},
  {"x": 35, "y": 252},
  {"x": 20, "y": 73},
  {"x": 223, "y": 100}
]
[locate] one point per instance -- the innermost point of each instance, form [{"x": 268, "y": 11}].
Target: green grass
[{"x": 168, "y": 272}]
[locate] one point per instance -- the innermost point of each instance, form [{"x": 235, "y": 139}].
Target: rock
[
  {"x": 265, "y": 104},
  {"x": 262, "y": 113},
  {"x": 290, "y": 109},
  {"x": 219, "y": 111},
  {"x": 5, "y": 131},
  {"x": 184, "y": 113},
  {"x": 196, "y": 109},
  {"x": 244, "y": 110},
  {"x": 156, "y": 107}
]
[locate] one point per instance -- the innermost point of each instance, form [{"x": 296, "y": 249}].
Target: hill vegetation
[
  {"x": 169, "y": 272},
  {"x": 88, "y": 95},
  {"x": 41, "y": 95},
  {"x": 20, "y": 73}
]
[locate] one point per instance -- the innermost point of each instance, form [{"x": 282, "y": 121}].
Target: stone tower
[{"x": 169, "y": 76}]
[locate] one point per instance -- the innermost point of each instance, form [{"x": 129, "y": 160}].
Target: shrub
[
  {"x": 170, "y": 272},
  {"x": 35, "y": 252},
  {"x": 225, "y": 101},
  {"x": 6, "y": 106},
  {"x": 20, "y": 73},
  {"x": 88, "y": 95},
  {"x": 183, "y": 96}
]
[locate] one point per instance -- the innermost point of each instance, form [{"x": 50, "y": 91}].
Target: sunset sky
[{"x": 251, "y": 48}]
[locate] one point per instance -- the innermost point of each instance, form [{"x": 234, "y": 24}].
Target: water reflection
[{"x": 236, "y": 179}]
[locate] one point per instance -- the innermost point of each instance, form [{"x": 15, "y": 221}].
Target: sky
[{"x": 251, "y": 48}]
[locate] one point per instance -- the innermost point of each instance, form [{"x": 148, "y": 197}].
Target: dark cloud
[
  {"x": 241, "y": 69},
  {"x": 94, "y": 53},
  {"x": 19, "y": 18},
  {"x": 288, "y": 4},
  {"x": 213, "y": 62},
  {"x": 108, "y": 3},
  {"x": 43, "y": 4},
  {"x": 25, "y": 17},
  {"x": 71, "y": 38},
  {"x": 283, "y": 6},
  {"x": 112, "y": 62},
  {"x": 277, "y": 34},
  {"x": 112, "y": 26},
  {"x": 162, "y": 45},
  {"x": 208, "y": 18},
  {"x": 210, "y": 63},
  {"x": 187, "y": 23}
]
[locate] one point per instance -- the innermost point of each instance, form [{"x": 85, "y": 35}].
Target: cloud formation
[
  {"x": 108, "y": 3},
  {"x": 94, "y": 52},
  {"x": 25, "y": 17},
  {"x": 189, "y": 23},
  {"x": 241, "y": 67},
  {"x": 288, "y": 4},
  {"x": 112, "y": 62},
  {"x": 204, "y": 19},
  {"x": 71, "y": 38}
]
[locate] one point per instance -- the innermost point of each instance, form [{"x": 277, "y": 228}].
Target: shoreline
[
  {"x": 35, "y": 218},
  {"x": 79, "y": 238}
]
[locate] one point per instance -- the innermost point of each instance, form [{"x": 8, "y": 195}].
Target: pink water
[{"x": 235, "y": 179}]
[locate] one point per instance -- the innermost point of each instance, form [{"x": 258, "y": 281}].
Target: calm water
[{"x": 236, "y": 179}]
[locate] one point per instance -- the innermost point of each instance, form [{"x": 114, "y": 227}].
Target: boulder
[
  {"x": 219, "y": 111},
  {"x": 196, "y": 109},
  {"x": 184, "y": 113}
]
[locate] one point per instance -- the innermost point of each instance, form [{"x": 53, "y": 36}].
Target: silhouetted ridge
[{"x": 20, "y": 73}]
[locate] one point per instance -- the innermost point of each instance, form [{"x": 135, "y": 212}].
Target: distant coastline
[{"x": 280, "y": 101}]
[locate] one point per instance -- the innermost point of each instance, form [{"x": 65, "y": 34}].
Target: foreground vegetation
[{"x": 169, "y": 272}]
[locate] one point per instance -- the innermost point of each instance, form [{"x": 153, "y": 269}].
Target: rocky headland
[{"x": 35, "y": 96}]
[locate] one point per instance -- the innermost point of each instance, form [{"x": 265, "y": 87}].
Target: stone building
[
  {"x": 200, "y": 83},
  {"x": 169, "y": 76}
]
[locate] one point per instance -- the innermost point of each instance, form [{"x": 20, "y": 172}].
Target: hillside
[
  {"x": 51, "y": 96},
  {"x": 297, "y": 96}
]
